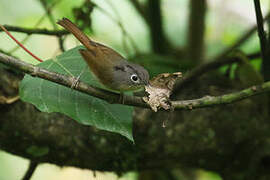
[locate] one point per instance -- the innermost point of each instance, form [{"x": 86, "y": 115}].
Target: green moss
[{"x": 37, "y": 151}]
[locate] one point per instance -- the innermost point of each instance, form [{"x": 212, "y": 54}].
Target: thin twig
[
  {"x": 140, "y": 9},
  {"x": 207, "y": 67},
  {"x": 214, "y": 63},
  {"x": 20, "y": 44},
  {"x": 124, "y": 33},
  {"x": 35, "y": 26},
  {"x": 61, "y": 43},
  {"x": 112, "y": 97},
  {"x": 9, "y": 100},
  {"x": 7, "y": 53},
  {"x": 48, "y": 11},
  {"x": 30, "y": 171},
  {"x": 36, "y": 31},
  {"x": 239, "y": 42},
  {"x": 27, "y": 37},
  {"x": 121, "y": 26}
]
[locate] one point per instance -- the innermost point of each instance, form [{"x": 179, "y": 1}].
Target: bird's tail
[{"x": 72, "y": 28}]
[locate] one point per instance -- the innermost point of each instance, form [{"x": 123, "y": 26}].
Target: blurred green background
[{"x": 226, "y": 21}]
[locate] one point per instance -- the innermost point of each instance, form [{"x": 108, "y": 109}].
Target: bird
[{"x": 110, "y": 68}]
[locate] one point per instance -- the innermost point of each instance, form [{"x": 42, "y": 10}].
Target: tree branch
[
  {"x": 36, "y": 31},
  {"x": 121, "y": 26},
  {"x": 159, "y": 41},
  {"x": 35, "y": 26},
  {"x": 207, "y": 67},
  {"x": 224, "y": 99},
  {"x": 7, "y": 53},
  {"x": 239, "y": 42},
  {"x": 140, "y": 9},
  {"x": 186, "y": 138},
  {"x": 68, "y": 81},
  {"x": 196, "y": 30},
  {"x": 30, "y": 171},
  {"x": 218, "y": 61},
  {"x": 261, "y": 32},
  {"x": 112, "y": 97},
  {"x": 48, "y": 11},
  {"x": 263, "y": 41}
]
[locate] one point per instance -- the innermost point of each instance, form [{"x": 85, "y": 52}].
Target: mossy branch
[
  {"x": 224, "y": 99},
  {"x": 112, "y": 97}
]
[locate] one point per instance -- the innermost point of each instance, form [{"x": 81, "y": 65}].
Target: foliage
[{"x": 88, "y": 110}]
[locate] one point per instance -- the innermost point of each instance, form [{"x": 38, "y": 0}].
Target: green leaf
[
  {"x": 51, "y": 97},
  {"x": 245, "y": 72},
  {"x": 37, "y": 151}
]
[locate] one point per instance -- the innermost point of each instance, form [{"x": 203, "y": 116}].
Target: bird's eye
[{"x": 134, "y": 78}]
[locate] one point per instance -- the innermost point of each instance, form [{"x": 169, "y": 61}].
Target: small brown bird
[{"x": 112, "y": 70}]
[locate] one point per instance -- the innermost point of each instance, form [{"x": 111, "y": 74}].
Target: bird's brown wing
[
  {"x": 102, "y": 71},
  {"x": 99, "y": 51},
  {"x": 100, "y": 58}
]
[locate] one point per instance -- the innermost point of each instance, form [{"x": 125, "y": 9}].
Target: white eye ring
[{"x": 134, "y": 78}]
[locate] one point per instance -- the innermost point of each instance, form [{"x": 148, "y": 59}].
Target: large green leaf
[{"x": 51, "y": 97}]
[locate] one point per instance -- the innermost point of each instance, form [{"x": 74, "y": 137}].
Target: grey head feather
[{"x": 122, "y": 76}]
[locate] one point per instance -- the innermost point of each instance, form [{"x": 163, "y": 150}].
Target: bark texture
[{"x": 230, "y": 139}]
